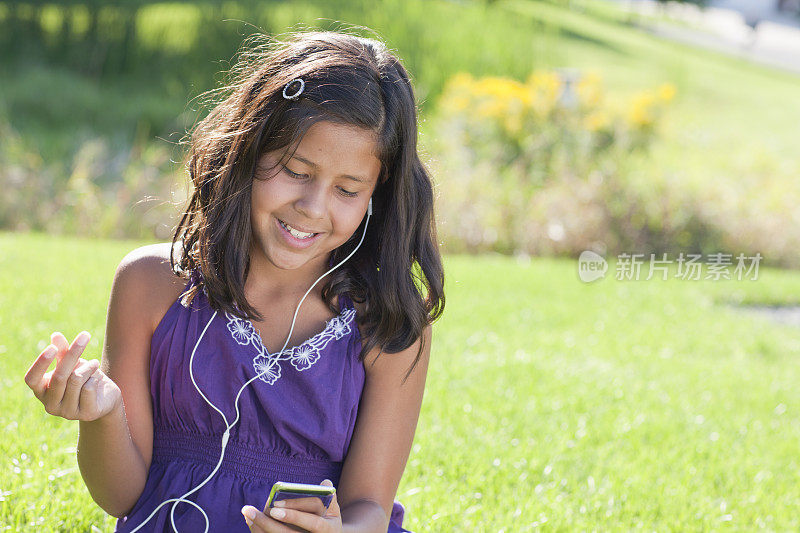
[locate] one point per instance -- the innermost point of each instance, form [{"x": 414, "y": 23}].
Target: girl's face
[{"x": 304, "y": 209}]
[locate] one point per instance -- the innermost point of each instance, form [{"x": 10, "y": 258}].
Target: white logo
[{"x": 591, "y": 266}]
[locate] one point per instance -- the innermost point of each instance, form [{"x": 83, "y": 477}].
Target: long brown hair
[{"x": 397, "y": 272}]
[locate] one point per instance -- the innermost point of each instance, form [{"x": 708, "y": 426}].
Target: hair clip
[{"x": 297, "y": 94}]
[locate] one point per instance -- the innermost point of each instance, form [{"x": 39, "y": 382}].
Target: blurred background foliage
[
  {"x": 551, "y": 127},
  {"x": 553, "y": 150}
]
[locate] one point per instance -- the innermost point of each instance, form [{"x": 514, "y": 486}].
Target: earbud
[{"x": 369, "y": 208}]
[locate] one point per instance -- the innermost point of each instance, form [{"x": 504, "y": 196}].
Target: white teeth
[{"x": 295, "y": 233}]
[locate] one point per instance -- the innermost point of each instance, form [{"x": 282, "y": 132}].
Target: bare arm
[
  {"x": 115, "y": 451},
  {"x": 385, "y": 426},
  {"x": 112, "y": 467}
]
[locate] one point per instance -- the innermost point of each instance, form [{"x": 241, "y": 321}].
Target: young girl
[{"x": 214, "y": 383}]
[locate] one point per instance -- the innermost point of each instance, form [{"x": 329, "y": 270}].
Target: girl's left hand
[{"x": 300, "y": 514}]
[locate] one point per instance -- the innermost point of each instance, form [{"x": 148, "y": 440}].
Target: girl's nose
[{"x": 312, "y": 204}]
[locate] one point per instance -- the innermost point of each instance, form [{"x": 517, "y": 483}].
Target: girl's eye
[{"x": 294, "y": 174}]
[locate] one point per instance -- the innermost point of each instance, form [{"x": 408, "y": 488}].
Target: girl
[{"x": 308, "y": 166}]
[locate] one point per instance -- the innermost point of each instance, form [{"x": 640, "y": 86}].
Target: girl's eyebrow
[{"x": 314, "y": 165}]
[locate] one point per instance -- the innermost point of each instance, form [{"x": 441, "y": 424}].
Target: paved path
[
  {"x": 751, "y": 29},
  {"x": 789, "y": 315}
]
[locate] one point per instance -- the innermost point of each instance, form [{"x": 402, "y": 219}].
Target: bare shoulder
[
  {"x": 408, "y": 355},
  {"x": 148, "y": 269}
]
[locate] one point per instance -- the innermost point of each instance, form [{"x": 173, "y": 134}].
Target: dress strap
[
  {"x": 345, "y": 302},
  {"x": 196, "y": 277}
]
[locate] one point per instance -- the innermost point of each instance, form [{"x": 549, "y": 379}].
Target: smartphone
[{"x": 283, "y": 490}]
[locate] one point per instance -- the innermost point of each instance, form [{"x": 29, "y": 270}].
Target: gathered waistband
[{"x": 241, "y": 459}]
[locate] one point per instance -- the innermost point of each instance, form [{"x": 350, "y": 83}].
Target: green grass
[{"x": 551, "y": 404}]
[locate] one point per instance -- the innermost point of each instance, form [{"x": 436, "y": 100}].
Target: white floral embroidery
[
  {"x": 242, "y": 331},
  {"x": 302, "y": 357},
  {"x": 339, "y": 327},
  {"x": 269, "y": 369}
]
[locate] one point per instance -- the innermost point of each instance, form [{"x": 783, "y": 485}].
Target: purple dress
[{"x": 295, "y": 421}]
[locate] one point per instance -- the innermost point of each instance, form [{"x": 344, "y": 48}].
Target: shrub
[
  {"x": 101, "y": 192},
  {"x": 548, "y": 166}
]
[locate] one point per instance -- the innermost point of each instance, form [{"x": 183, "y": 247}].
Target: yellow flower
[
  {"x": 523, "y": 93},
  {"x": 597, "y": 120},
  {"x": 546, "y": 87},
  {"x": 666, "y": 92},
  {"x": 458, "y": 93},
  {"x": 502, "y": 99},
  {"x": 590, "y": 89},
  {"x": 491, "y": 108},
  {"x": 510, "y": 105},
  {"x": 640, "y": 117},
  {"x": 641, "y": 112},
  {"x": 458, "y": 102},
  {"x": 462, "y": 80},
  {"x": 543, "y": 89}
]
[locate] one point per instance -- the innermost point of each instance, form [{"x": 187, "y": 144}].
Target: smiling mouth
[{"x": 302, "y": 235}]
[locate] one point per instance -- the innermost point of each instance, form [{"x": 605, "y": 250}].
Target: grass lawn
[
  {"x": 551, "y": 404},
  {"x": 733, "y": 121}
]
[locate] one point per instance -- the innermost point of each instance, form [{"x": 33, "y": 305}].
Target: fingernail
[
  {"x": 249, "y": 513},
  {"x": 83, "y": 339},
  {"x": 280, "y": 504},
  {"x": 277, "y": 513},
  {"x": 50, "y": 352}
]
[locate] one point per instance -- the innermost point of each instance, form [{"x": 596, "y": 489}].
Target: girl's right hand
[{"x": 77, "y": 389}]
